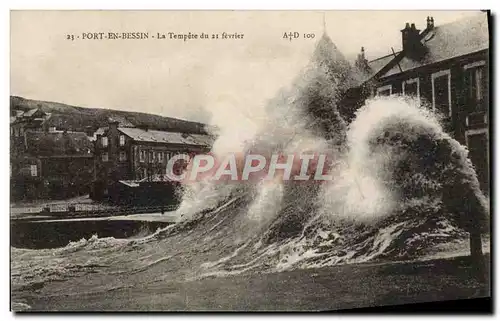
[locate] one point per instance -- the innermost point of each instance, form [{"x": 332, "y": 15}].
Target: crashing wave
[{"x": 401, "y": 186}]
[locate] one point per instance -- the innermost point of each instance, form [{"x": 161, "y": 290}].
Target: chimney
[
  {"x": 412, "y": 46},
  {"x": 113, "y": 124},
  {"x": 430, "y": 23},
  {"x": 410, "y": 36}
]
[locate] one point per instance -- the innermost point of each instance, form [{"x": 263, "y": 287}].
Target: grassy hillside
[{"x": 78, "y": 118}]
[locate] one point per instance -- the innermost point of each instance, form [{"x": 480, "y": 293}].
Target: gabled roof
[
  {"x": 451, "y": 40},
  {"x": 34, "y": 112},
  {"x": 156, "y": 136},
  {"x": 30, "y": 112},
  {"x": 36, "y": 116},
  {"x": 375, "y": 66}
]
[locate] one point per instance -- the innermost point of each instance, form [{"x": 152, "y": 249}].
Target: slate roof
[
  {"x": 157, "y": 136},
  {"x": 451, "y": 40},
  {"x": 377, "y": 64},
  {"x": 374, "y": 66}
]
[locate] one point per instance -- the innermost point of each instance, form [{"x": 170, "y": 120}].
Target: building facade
[
  {"x": 46, "y": 163},
  {"x": 129, "y": 156},
  {"x": 446, "y": 68}
]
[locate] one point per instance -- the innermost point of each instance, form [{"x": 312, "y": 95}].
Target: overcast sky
[{"x": 192, "y": 79}]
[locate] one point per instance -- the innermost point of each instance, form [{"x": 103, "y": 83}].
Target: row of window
[
  {"x": 158, "y": 157},
  {"x": 122, "y": 156},
  {"x": 145, "y": 172},
  {"x": 474, "y": 85},
  {"x": 104, "y": 140}
]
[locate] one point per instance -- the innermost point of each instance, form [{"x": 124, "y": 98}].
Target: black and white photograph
[{"x": 244, "y": 161}]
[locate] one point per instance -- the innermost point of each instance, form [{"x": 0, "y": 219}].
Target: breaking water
[{"x": 400, "y": 188}]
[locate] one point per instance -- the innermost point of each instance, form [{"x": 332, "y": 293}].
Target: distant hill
[{"x": 75, "y": 118}]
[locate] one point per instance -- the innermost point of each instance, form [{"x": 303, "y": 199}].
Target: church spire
[{"x": 324, "y": 24}]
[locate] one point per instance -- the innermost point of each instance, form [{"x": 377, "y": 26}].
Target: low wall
[{"x": 54, "y": 234}]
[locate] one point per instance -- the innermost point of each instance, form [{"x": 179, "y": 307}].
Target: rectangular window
[
  {"x": 151, "y": 157},
  {"x": 441, "y": 92},
  {"x": 122, "y": 140},
  {"x": 475, "y": 86},
  {"x": 105, "y": 157},
  {"x": 123, "y": 156},
  {"x": 384, "y": 90},
  {"x": 160, "y": 157},
  {"x": 411, "y": 87},
  {"x": 142, "y": 156},
  {"x": 144, "y": 173},
  {"x": 33, "y": 170},
  {"x": 104, "y": 141}
]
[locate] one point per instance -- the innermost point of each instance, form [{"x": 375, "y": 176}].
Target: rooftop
[
  {"x": 447, "y": 41},
  {"x": 156, "y": 136}
]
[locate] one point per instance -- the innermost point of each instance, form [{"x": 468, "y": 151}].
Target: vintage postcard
[{"x": 248, "y": 160}]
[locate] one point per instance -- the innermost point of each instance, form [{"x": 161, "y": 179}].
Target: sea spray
[
  {"x": 400, "y": 187},
  {"x": 378, "y": 206},
  {"x": 424, "y": 162},
  {"x": 302, "y": 118},
  {"x": 368, "y": 209}
]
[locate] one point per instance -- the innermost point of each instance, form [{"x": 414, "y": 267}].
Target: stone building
[
  {"x": 127, "y": 157},
  {"x": 447, "y": 68}
]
